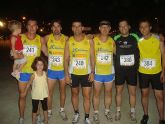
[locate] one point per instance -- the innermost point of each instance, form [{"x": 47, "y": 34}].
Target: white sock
[
  {"x": 132, "y": 109},
  {"x": 61, "y": 109},
  {"x": 107, "y": 110},
  {"x": 20, "y": 118},
  {"x": 118, "y": 109},
  {"x": 96, "y": 111},
  {"x": 50, "y": 111}
]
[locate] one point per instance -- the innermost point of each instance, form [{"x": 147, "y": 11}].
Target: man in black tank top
[{"x": 126, "y": 64}]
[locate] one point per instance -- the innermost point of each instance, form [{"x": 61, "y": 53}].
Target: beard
[{"x": 57, "y": 33}]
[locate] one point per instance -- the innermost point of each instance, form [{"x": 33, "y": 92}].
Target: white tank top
[{"x": 39, "y": 87}]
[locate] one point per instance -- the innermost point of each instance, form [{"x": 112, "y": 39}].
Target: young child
[
  {"x": 39, "y": 92},
  {"x": 16, "y": 47}
]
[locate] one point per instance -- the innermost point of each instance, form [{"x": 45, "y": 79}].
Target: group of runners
[{"x": 93, "y": 61}]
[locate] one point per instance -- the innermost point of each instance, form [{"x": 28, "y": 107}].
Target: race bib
[
  {"x": 56, "y": 60},
  {"x": 127, "y": 60},
  {"x": 30, "y": 50},
  {"x": 79, "y": 63},
  {"x": 104, "y": 58},
  {"x": 148, "y": 63}
]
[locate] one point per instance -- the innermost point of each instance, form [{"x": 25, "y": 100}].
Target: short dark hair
[
  {"x": 104, "y": 22},
  {"x": 55, "y": 20},
  {"x": 124, "y": 19},
  {"x": 145, "y": 20},
  {"x": 77, "y": 20},
  {"x": 31, "y": 19},
  {"x": 35, "y": 63}
]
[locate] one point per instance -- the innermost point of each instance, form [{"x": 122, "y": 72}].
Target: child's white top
[{"x": 39, "y": 87}]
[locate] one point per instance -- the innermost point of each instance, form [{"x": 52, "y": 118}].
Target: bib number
[
  {"x": 104, "y": 58},
  {"x": 30, "y": 50},
  {"x": 56, "y": 60},
  {"x": 148, "y": 63},
  {"x": 127, "y": 60},
  {"x": 79, "y": 63}
]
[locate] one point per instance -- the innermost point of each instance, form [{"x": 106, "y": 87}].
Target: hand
[
  {"x": 20, "y": 55},
  {"x": 68, "y": 80},
  {"x": 90, "y": 36},
  {"x": 91, "y": 77},
  {"x": 25, "y": 93}
]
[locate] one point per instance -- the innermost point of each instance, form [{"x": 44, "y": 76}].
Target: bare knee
[
  {"x": 118, "y": 93},
  {"x": 75, "y": 93},
  {"x": 133, "y": 94},
  {"x": 96, "y": 94},
  {"x": 160, "y": 97},
  {"x": 22, "y": 96},
  {"x": 51, "y": 93},
  {"x": 145, "y": 93},
  {"x": 87, "y": 98}
]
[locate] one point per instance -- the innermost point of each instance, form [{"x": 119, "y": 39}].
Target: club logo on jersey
[{"x": 125, "y": 42}]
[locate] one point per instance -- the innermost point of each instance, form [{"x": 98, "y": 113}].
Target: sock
[
  {"x": 118, "y": 109},
  {"x": 20, "y": 118},
  {"x": 96, "y": 111},
  {"x": 76, "y": 112},
  {"x": 106, "y": 111},
  {"x": 132, "y": 109},
  {"x": 61, "y": 109},
  {"x": 50, "y": 111},
  {"x": 86, "y": 115}
]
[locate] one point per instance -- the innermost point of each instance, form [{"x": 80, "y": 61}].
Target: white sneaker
[
  {"x": 49, "y": 114},
  {"x": 63, "y": 115},
  {"x": 133, "y": 117},
  {"x": 21, "y": 121},
  {"x": 76, "y": 118},
  {"x": 108, "y": 115},
  {"x": 38, "y": 119},
  {"x": 118, "y": 115},
  {"x": 96, "y": 118},
  {"x": 87, "y": 121}
]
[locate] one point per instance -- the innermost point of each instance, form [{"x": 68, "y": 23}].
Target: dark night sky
[
  {"x": 85, "y": 8},
  {"x": 90, "y": 11}
]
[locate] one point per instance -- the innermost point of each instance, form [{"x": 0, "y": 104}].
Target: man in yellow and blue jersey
[{"x": 104, "y": 70}]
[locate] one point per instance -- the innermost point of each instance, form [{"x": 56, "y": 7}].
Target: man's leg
[
  {"x": 108, "y": 100},
  {"x": 119, "y": 91},
  {"x": 132, "y": 95},
  {"x": 108, "y": 95},
  {"x": 86, "y": 91},
  {"x": 96, "y": 95},
  {"x": 145, "y": 100},
  {"x": 160, "y": 103},
  {"x": 62, "y": 88},
  {"x": 51, "y": 85},
  {"x": 132, "y": 99},
  {"x": 96, "y": 101},
  {"x": 75, "y": 103},
  {"x": 22, "y": 98}
]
